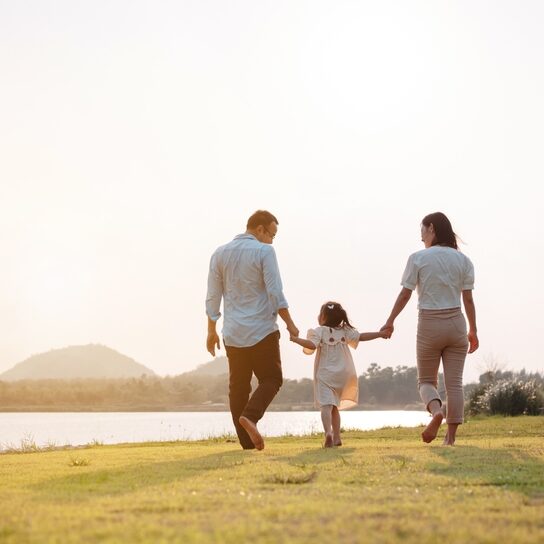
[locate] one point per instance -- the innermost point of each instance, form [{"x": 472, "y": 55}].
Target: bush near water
[{"x": 508, "y": 394}]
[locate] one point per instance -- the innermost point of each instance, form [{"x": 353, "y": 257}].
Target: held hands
[
  {"x": 212, "y": 341},
  {"x": 388, "y": 329},
  {"x": 293, "y": 331}
]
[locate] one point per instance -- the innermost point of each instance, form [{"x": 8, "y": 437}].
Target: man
[{"x": 245, "y": 274}]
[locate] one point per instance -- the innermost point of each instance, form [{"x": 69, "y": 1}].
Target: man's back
[{"x": 245, "y": 273}]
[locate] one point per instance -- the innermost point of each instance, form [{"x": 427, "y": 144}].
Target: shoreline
[{"x": 194, "y": 408}]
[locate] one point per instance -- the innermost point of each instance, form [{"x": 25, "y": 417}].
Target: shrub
[
  {"x": 474, "y": 404},
  {"x": 511, "y": 398}
]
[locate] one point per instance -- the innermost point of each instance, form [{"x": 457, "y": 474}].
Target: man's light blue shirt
[{"x": 245, "y": 274}]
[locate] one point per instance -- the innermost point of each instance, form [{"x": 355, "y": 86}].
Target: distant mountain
[
  {"x": 90, "y": 361},
  {"x": 218, "y": 366}
]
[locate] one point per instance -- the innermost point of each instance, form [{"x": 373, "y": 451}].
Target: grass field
[{"x": 381, "y": 486}]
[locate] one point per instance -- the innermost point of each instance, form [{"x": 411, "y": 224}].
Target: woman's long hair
[
  {"x": 335, "y": 315},
  {"x": 444, "y": 235}
]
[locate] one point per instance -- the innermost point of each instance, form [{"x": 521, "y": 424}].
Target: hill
[
  {"x": 90, "y": 361},
  {"x": 217, "y": 367}
]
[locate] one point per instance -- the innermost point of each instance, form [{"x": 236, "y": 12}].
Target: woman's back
[{"x": 439, "y": 273}]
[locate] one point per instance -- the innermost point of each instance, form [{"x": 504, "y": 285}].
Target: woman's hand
[{"x": 473, "y": 342}]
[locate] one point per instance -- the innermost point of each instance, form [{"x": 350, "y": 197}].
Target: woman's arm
[
  {"x": 400, "y": 303},
  {"x": 470, "y": 310}
]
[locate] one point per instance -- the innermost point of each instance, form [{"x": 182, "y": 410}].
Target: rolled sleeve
[
  {"x": 272, "y": 279},
  {"x": 409, "y": 278},
  {"x": 215, "y": 290}
]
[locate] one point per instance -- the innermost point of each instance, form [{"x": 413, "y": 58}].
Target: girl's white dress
[{"x": 335, "y": 378}]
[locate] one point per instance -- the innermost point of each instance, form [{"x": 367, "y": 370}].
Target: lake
[{"x": 79, "y": 428}]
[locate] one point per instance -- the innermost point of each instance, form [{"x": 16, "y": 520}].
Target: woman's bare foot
[
  {"x": 253, "y": 432},
  {"x": 337, "y": 443},
  {"x": 449, "y": 439},
  {"x": 430, "y": 432},
  {"x": 328, "y": 441}
]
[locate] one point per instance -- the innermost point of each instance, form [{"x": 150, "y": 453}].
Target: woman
[{"x": 442, "y": 276}]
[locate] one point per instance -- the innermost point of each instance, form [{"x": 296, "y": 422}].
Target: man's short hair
[{"x": 261, "y": 217}]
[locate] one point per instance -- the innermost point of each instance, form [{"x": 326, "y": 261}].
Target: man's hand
[
  {"x": 292, "y": 329},
  {"x": 212, "y": 341}
]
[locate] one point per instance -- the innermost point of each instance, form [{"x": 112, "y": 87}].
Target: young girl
[{"x": 335, "y": 380}]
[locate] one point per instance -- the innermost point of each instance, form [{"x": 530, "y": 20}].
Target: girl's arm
[
  {"x": 364, "y": 336},
  {"x": 302, "y": 342}
]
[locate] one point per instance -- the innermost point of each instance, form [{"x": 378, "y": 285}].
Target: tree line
[{"x": 379, "y": 388}]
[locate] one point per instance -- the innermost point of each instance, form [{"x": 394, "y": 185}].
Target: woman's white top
[
  {"x": 335, "y": 378},
  {"x": 440, "y": 274}
]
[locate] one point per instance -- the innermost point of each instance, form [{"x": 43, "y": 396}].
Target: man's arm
[
  {"x": 212, "y": 340},
  {"x": 286, "y": 316},
  {"x": 213, "y": 305},
  {"x": 274, "y": 289}
]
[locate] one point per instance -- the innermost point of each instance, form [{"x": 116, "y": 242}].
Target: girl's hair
[
  {"x": 335, "y": 315},
  {"x": 444, "y": 235}
]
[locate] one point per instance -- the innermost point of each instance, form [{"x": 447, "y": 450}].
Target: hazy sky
[{"x": 137, "y": 136}]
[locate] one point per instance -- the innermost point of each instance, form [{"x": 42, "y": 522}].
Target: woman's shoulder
[{"x": 430, "y": 252}]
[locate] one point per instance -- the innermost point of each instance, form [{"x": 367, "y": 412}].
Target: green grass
[{"x": 381, "y": 486}]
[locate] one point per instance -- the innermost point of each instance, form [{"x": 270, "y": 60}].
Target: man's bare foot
[
  {"x": 448, "y": 441},
  {"x": 253, "y": 432},
  {"x": 337, "y": 442},
  {"x": 430, "y": 432},
  {"x": 328, "y": 441}
]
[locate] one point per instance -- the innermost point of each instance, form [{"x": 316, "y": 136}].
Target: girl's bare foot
[
  {"x": 328, "y": 441},
  {"x": 253, "y": 432},
  {"x": 430, "y": 432}
]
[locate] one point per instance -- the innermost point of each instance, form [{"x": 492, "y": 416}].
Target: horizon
[{"x": 139, "y": 137}]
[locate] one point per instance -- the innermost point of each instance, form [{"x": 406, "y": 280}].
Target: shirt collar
[{"x": 246, "y": 236}]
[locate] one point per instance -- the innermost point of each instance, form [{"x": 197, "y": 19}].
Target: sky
[{"x": 138, "y": 136}]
